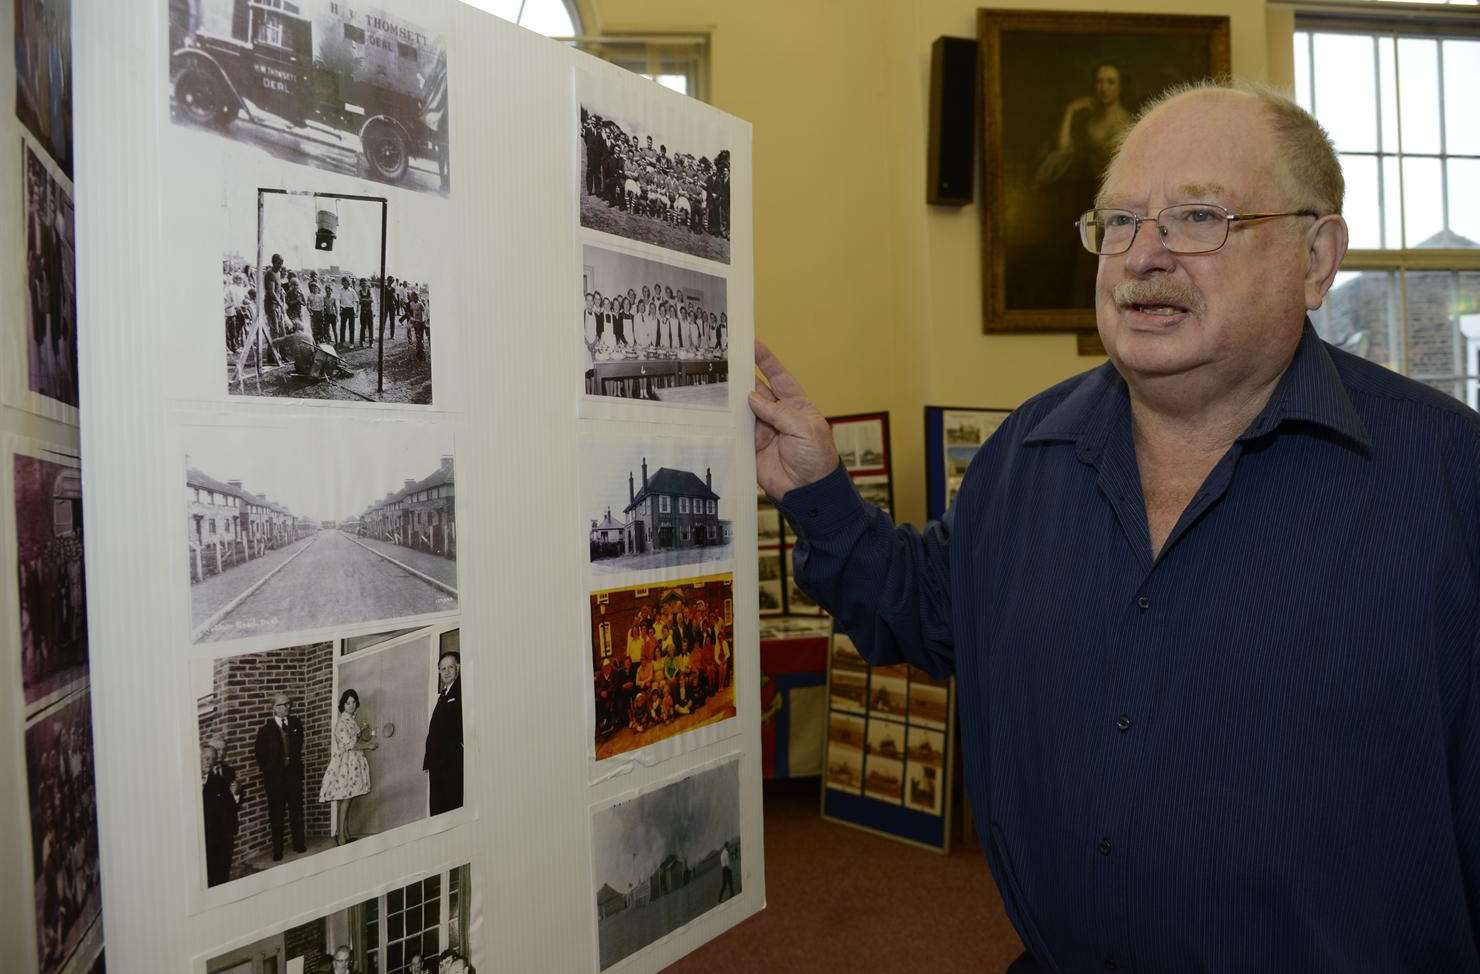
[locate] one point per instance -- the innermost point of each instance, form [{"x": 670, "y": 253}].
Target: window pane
[
  {"x": 395, "y": 926},
  {"x": 413, "y": 919},
  {"x": 1346, "y": 91},
  {"x": 1302, "y": 69},
  {"x": 1418, "y": 87},
  {"x": 1464, "y": 202},
  {"x": 413, "y": 895},
  {"x": 1388, "y": 79},
  {"x": 1362, "y": 215},
  {"x": 1435, "y": 346},
  {"x": 1360, "y": 315},
  {"x": 393, "y": 901},
  {"x": 1461, "y": 82},
  {"x": 1392, "y": 210},
  {"x": 430, "y": 946},
  {"x": 1423, "y": 201}
]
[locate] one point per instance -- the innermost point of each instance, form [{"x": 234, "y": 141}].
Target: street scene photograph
[
  {"x": 51, "y": 283},
  {"x": 657, "y": 502},
  {"x": 665, "y": 857},
  {"x": 350, "y": 89},
  {"x": 654, "y": 332},
  {"x": 293, "y": 528},
  {"x": 304, "y": 749},
  {"x": 49, "y": 572},
  {"x": 417, "y": 927},
  {"x": 313, "y": 311},
  {"x": 663, "y": 660},
  {"x": 654, "y": 176}
]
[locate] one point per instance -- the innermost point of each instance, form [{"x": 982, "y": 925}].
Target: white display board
[{"x": 413, "y": 467}]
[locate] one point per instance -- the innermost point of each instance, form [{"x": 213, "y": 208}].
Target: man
[
  {"x": 443, "y": 762},
  {"x": 416, "y": 317},
  {"x": 367, "y": 313},
  {"x": 331, "y": 310},
  {"x": 392, "y": 298},
  {"x": 1213, "y": 607},
  {"x": 346, "y": 312},
  {"x": 727, "y": 876},
  {"x": 220, "y": 797},
  {"x": 279, "y": 753},
  {"x": 273, "y": 298}
]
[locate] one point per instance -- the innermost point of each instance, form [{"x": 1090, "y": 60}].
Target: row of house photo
[
  {"x": 421, "y": 515},
  {"x": 228, "y": 524}
]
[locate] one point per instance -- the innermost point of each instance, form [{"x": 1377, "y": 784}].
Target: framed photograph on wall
[{"x": 1058, "y": 89}]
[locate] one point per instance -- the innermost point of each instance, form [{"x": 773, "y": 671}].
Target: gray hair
[{"x": 1312, "y": 172}]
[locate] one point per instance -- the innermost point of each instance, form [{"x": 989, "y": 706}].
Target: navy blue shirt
[{"x": 1259, "y": 751}]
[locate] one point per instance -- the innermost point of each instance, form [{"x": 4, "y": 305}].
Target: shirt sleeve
[
  {"x": 1466, "y": 782},
  {"x": 887, "y": 586}
]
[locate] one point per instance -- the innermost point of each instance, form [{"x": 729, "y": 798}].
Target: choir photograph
[
  {"x": 49, "y": 569},
  {"x": 51, "y": 284}
]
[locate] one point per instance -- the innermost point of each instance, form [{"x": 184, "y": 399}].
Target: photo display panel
[
  {"x": 397, "y": 602},
  {"x": 952, "y": 437}
]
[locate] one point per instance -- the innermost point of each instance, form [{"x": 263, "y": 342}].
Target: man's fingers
[
  {"x": 783, "y": 383},
  {"x": 785, "y": 420},
  {"x": 762, "y": 389},
  {"x": 765, "y": 435}
]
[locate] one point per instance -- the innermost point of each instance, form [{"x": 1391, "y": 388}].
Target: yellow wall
[{"x": 870, "y": 295}]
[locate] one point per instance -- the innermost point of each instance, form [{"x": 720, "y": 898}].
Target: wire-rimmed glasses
[{"x": 1184, "y": 228}]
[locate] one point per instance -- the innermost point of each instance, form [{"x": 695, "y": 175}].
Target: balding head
[{"x": 1306, "y": 167}]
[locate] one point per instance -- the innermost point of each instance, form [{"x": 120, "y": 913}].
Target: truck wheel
[
  {"x": 203, "y": 98},
  {"x": 385, "y": 150}
]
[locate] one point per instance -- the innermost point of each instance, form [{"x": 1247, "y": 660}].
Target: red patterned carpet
[{"x": 839, "y": 899}]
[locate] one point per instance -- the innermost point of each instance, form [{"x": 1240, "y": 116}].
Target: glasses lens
[
  {"x": 1107, "y": 231},
  {"x": 1193, "y": 228}
]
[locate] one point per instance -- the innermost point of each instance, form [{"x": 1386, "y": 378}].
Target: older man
[
  {"x": 278, "y": 750},
  {"x": 443, "y": 757},
  {"x": 220, "y": 797},
  {"x": 1213, "y": 607}
]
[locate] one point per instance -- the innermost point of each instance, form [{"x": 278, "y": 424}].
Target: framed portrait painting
[{"x": 1058, "y": 89}]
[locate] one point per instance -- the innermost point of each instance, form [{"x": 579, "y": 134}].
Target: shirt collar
[{"x": 1310, "y": 391}]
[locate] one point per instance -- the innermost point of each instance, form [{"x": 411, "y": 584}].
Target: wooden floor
[{"x": 839, "y": 899}]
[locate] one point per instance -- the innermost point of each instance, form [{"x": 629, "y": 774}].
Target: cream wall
[{"x": 871, "y": 296}]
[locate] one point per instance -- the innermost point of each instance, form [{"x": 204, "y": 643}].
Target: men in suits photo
[
  {"x": 220, "y": 797},
  {"x": 279, "y": 752},
  {"x": 444, "y": 751}
]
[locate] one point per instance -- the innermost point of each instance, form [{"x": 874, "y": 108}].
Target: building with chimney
[
  {"x": 674, "y": 509},
  {"x": 226, "y": 524},
  {"x": 608, "y": 537},
  {"x": 421, "y": 515}
]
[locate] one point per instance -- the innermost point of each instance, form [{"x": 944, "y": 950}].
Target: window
[
  {"x": 553, "y": 18},
  {"x": 1396, "y": 94},
  {"x": 663, "y": 504},
  {"x": 354, "y": 34},
  {"x": 679, "y": 61},
  {"x": 683, "y": 505},
  {"x": 711, "y": 507}
]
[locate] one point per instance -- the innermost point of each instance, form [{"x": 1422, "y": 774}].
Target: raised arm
[{"x": 888, "y": 587}]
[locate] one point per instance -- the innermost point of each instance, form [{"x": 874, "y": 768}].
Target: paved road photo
[{"x": 326, "y": 579}]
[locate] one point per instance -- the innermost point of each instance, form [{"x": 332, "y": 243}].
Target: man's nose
[{"x": 1147, "y": 254}]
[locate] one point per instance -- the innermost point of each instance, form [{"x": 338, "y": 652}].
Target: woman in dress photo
[{"x": 348, "y": 775}]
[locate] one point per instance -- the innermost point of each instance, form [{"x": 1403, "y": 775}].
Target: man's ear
[{"x": 1326, "y": 244}]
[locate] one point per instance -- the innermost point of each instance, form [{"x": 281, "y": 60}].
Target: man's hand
[{"x": 793, "y": 441}]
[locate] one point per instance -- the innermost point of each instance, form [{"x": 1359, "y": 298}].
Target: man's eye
[
  {"x": 1200, "y": 214},
  {"x": 1119, "y": 220}
]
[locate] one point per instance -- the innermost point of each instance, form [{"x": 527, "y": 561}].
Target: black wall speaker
[{"x": 953, "y": 87}]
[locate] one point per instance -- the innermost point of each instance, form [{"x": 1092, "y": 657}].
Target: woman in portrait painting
[
  {"x": 348, "y": 775},
  {"x": 1069, "y": 175}
]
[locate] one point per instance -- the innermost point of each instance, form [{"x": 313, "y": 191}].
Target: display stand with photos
[
  {"x": 890, "y": 746},
  {"x": 953, "y": 434},
  {"x": 414, "y": 480}
]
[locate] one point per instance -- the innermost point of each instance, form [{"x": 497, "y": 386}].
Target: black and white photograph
[
  {"x": 884, "y": 748},
  {"x": 847, "y": 677},
  {"x": 296, "y": 528},
  {"x": 657, "y": 502},
  {"x": 925, "y": 770},
  {"x": 665, "y": 857},
  {"x": 767, "y": 520},
  {"x": 797, "y": 600},
  {"x": 64, "y": 830},
  {"x": 661, "y": 180},
  {"x": 769, "y": 572},
  {"x": 43, "y": 75},
  {"x": 845, "y": 743},
  {"x": 654, "y": 332},
  {"x": 929, "y": 699},
  {"x": 419, "y": 927},
  {"x": 350, "y": 89},
  {"x": 312, "y": 310},
  {"x": 888, "y": 691},
  {"x": 304, "y": 750},
  {"x": 874, "y": 488},
  {"x": 861, "y": 444},
  {"x": 49, "y": 577},
  {"x": 51, "y": 283}
]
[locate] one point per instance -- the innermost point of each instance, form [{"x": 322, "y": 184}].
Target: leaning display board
[
  {"x": 891, "y": 742},
  {"x": 952, "y": 437},
  {"x": 414, "y": 480}
]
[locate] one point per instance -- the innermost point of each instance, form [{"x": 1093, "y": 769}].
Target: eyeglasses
[{"x": 1184, "y": 228}]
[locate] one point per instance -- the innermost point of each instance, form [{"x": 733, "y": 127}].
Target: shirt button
[
  {"x": 1104, "y": 847},
  {"x": 1144, "y": 602},
  {"x": 1123, "y": 722},
  {"x": 811, "y": 512},
  {"x": 1110, "y": 964}
]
